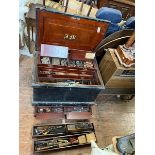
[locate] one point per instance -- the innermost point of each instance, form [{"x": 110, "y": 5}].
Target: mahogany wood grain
[
  {"x": 48, "y": 66},
  {"x": 46, "y": 116},
  {"x": 73, "y": 77},
  {"x": 56, "y": 70},
  {"x": 52, "y": 29}
]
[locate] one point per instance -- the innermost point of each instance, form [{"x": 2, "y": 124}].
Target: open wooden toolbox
[
  {"x": 56, "y": 137},
  {"x": 65, "y": 68}
]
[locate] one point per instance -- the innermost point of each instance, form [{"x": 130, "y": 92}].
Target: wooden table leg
[
  {"x": 28, "y": 31},
  {"x": 32, "y": 33}
]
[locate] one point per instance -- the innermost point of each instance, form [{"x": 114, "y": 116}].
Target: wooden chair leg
[
  {"x": 28, "y": 31},
  {"x": 32, "y": 33}
]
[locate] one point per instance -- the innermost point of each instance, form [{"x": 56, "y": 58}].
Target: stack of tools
[
  {"x": 83, "y": 126},
  {"x": 48, "y": 130},
  {"x": 55, "y": 137},
  {"x": 66, "y": 62},
  {"x": 63, "y": 142}
]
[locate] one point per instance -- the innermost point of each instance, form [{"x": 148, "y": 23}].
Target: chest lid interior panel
[{"x": 74, "y": 32}]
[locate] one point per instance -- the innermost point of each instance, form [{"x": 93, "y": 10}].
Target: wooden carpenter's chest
[
  {"x": 115, "y": 75},
  {"x": 65, "y": 68},
  {"x": 66, "y": 78}
]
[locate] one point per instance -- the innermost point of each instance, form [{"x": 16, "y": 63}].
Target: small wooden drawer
[
  {"x": 46, "y": 130},
  {"x": 62, "y": 112},
  {"x": 61, "y": 142}
]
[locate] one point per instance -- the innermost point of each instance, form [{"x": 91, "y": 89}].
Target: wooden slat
[
  {"x": 46, "y": 66},
  {"x": 73, "y": 77},
  {"x": 56, "y": 70}
]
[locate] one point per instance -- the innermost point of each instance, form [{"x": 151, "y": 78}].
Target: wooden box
[
  {"x": 115, "y": 75},
  {"x": 57, "y": 137},
  {"x": 65, "y": 68}
]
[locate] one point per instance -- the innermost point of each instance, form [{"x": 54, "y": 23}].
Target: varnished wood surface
[
  {"x": 129, "y": 2},
  {"x": 52, "y": 30},
  {"x": 112, "y": 117},
  {"x": 67, "y": 112}
]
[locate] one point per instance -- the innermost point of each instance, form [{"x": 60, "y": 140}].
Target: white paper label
[
  {"x": 54, "y": 51},
  {"x": 90, "y": 55},
  {"x": 98, "y": 29}
]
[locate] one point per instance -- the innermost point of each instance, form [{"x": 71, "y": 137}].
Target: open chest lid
[{"x": 72, "y": 31}]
